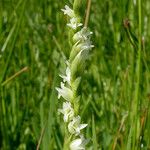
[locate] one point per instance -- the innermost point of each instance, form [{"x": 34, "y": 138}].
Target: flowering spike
[{"x": 69, "y": 87}]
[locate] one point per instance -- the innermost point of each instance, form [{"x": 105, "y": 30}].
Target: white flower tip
[
  {"x": 79, "y": 144},
  {"x": 59, "y": 91},
  {"x": 68, "y": 11},
  {"x": 76, "y": 144},
  {"x": 82, "y": 126},
  {"x": 57, "y": 88},
  {"x": 67, "y": 77}
]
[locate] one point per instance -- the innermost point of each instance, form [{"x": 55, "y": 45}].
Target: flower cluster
[{"x": 75, "y": 65}]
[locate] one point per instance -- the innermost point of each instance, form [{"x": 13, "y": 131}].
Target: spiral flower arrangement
[{"x": 82, "y": 45}]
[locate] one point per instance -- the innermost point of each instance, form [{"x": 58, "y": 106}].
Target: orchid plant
[{"x": 68, "y": 90}]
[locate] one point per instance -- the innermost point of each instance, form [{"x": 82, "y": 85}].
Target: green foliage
[{"x": 33, "y": 34}]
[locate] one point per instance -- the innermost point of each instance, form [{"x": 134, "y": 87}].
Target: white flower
[
  {"x": 87, "y": 45},
  {"x": 80, "y": 58},
  {"x": 67, "y": 77},
  {"x": 67, "y": 110},
  {"x": 68, "y": 11},
  {"x": 74, "y": 126},
  {"x": 74, "y": 23},
  {"x": 82, "y": 35},
  {"x": 65, "y": 92},
  {"x": 81, "y": 49},
  {"x": 78, "y": 144}
]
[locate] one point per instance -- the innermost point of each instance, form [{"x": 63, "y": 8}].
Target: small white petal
[
  {"x": 67, "y": 77},
  {"x": 86, "y": 45},
  {"x": 75, "y": 145},
  {"x": 79, "y": 144},
  {"x": 68, "y": 11},
  {"x": 65, "y": 92},
  {"x": 67, "y": 110},
  {"x": 74, "y": 126},
  {"x": 82, "y": 126},
  {"x": 74, "y": 24},
  {"x": 82, "y": 35}
]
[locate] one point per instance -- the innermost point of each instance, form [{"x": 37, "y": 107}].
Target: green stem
[
  {"x": 77, "y": 5},
  {"x": 138, "y": 70},
  {"x": 67, "y": 139}
]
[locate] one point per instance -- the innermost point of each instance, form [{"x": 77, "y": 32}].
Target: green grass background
[{"x": 33, "y": 34}]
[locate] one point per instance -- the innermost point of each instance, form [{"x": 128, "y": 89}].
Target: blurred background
[{"x": 34, "y": 44}]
